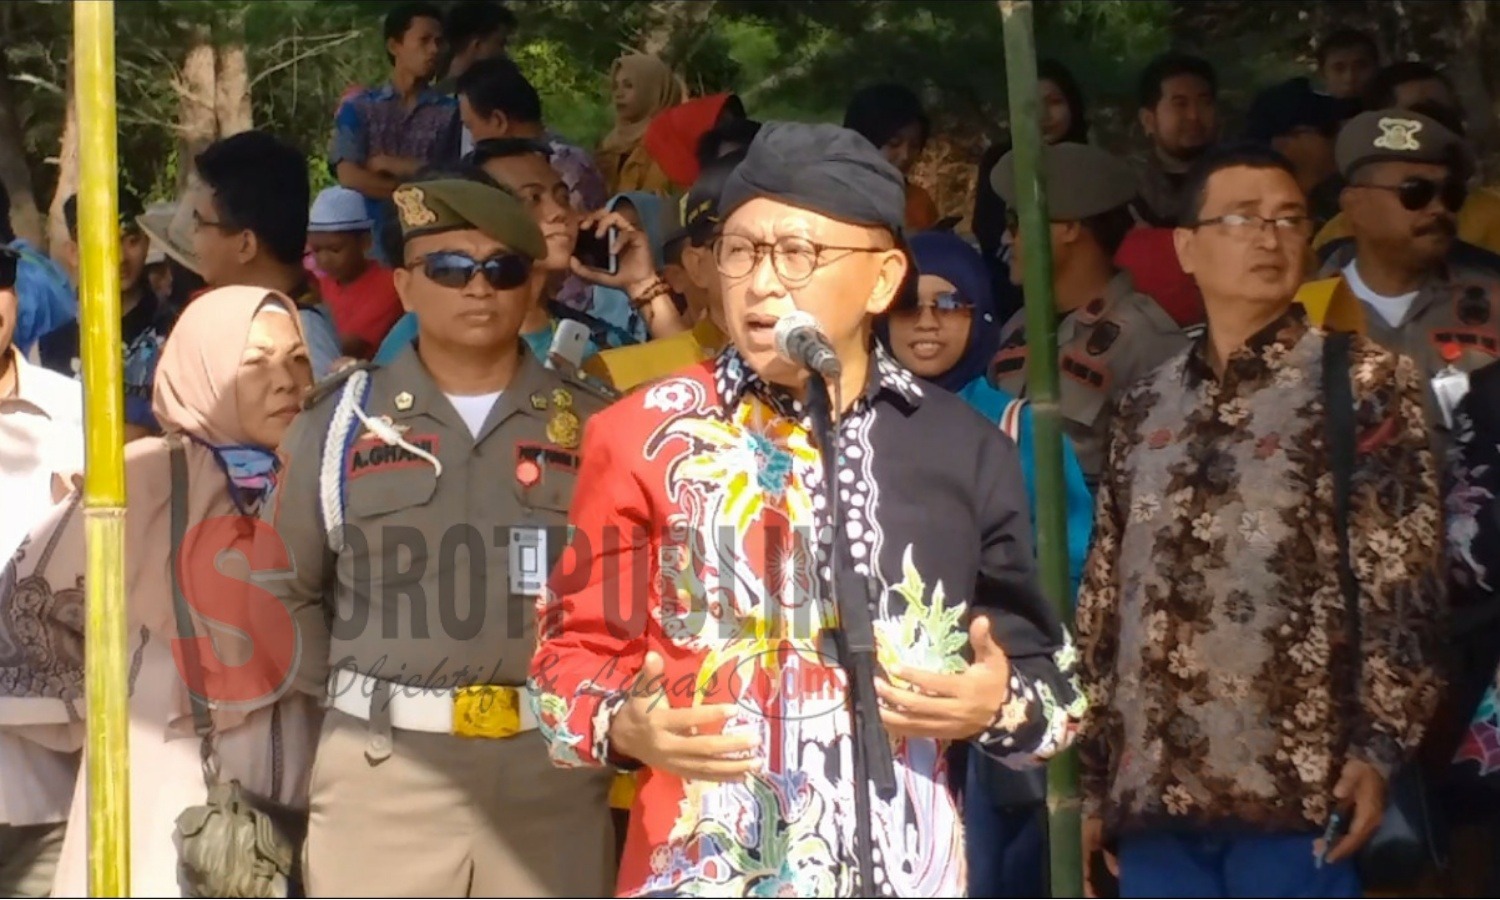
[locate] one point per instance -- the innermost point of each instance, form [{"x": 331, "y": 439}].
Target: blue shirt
[
  {"x": 990, "y": 401},
  {"x": 376, "y": 122},
  {"x": 45, "y": 295}
]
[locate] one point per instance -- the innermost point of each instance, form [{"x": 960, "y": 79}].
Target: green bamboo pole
[{"x": 1063, "y": 818}]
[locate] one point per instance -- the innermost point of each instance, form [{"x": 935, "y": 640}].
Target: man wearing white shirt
[{"x": 41, "y": 448}]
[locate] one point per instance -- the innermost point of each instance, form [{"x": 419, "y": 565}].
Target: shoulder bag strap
[
  {"x": 202, "y": 720},
  {"x": 1338, "y": 399}
]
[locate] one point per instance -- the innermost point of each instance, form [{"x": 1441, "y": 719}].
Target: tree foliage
[{"x": 798, "y": 59}]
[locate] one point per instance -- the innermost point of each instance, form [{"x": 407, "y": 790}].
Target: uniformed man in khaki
[
  {"x": 1110, "y": 334},
  {"x": 1404, "y": 281},
  {"x": 420, "y": 506}
]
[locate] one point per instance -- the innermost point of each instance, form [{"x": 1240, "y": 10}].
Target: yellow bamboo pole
[{"x": 104, "y": 479}]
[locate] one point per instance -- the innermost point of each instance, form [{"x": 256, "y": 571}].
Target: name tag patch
[{"x": 371, "y": 454}]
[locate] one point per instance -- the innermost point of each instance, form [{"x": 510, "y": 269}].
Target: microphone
[{"x": 800, "y": 340}]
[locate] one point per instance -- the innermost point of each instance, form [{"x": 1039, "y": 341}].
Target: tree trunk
[
  {"x": 197, "y": 92},
  {"x": 25, "y": 218},
  {"x": 232, "y": 93},
  {"x": 67, "y": 180}
]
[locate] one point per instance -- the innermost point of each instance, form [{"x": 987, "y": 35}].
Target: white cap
[{"x": 339, "y": 209}]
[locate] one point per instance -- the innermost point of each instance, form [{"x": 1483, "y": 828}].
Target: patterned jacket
[{"x": 1211, "y": 623}]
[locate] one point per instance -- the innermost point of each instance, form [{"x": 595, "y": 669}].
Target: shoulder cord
[{"x": 336, "y": 444}]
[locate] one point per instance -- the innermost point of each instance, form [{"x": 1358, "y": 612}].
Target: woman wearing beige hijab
[
  {"x": 642, "y": 86},
  {"x": 230, "y": 380}
]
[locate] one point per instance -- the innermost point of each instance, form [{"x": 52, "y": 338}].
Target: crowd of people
[{"x": 483, "y": 529}]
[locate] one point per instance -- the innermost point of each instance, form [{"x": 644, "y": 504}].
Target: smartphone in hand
[{"x": 593, "y": 251}]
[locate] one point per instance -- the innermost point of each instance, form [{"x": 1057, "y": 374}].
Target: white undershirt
[
  {"x": 1392, "y": 309},
  {"x": 475, "y": 409}
]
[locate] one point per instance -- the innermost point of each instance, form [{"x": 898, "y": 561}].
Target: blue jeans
[
  {"x": 1168, "y": 864},
  {"x": 1006, "y": 845}
]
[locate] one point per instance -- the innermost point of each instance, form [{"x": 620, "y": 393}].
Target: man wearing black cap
[
  {"x": 416, "y": 504},
  {"x": 687, "y": 634},
  {"x": 694, "y": 276},
  {"x": 1404, "y": 280},
  {"x": 1110, "y": 334}
]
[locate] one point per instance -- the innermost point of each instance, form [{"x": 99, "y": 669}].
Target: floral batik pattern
[
  {"x": 730, "y": 531},
  {"x": 1211, "y": 623}
]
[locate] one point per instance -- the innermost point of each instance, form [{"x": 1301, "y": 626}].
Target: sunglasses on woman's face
[
  {"x": 452, "y": 269},
  {"x": 944, "y": 306},
  {"x": 1416, "y": 193},
  {"x": 9, "y": 259}
]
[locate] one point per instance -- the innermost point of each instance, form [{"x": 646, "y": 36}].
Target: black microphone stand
[{"x": 854, "y": 640}]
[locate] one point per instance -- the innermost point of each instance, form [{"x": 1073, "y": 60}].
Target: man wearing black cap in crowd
[
  {"x": 144, "y": 322},
  {"x": 432, "y": 780},
  {"x": 724, "y": 521},
  {"x": 694, "y": 276},
  {"x": 1402, "y": 280},
  {"x": 1110, "y": 334},
  {"x": 1301, "y": 124}
]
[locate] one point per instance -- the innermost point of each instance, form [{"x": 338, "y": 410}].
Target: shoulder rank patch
[
  {"x": 1474, "y": 306},
  {"x": 539, "y": 401},
  {"x": 1102, "y": 338},
  {"x": 333, "y": 382}
]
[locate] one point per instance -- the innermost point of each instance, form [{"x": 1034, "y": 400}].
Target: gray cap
[
  {"x": 1399, "y": 135},
  {"x": 1082, "y": 181}
]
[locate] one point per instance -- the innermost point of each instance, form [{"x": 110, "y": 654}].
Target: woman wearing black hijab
[
  {"x": 891, "y": 117},
  {"x": 1064, "y": 119}
]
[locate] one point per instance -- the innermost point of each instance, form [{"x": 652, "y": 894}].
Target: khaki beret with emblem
[
  {"x": 1386, "y": 135},
  {"x": 1082, "y": 181},
  {"x": 452, "y": 204}
]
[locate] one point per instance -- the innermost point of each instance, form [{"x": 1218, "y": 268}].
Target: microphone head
[{"x": 788, "y": 325}]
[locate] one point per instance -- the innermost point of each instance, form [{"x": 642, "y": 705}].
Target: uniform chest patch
[
  {"x": 370, "y": 455},
  {"x": 1474, "y": 306},
  {"x": 1102, "y": 338}
]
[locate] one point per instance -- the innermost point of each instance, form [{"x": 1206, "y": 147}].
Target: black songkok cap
[{"x": 821, "y": 168}]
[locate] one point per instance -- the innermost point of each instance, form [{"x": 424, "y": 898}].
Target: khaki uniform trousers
[{"x": 446, "y": 816}]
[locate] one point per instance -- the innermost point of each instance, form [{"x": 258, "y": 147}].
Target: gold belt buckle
[{"x": 486, "y": 711}]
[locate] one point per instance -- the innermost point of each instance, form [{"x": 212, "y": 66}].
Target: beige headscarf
[
  {"x": 41, "y": 590},
  {"x": 656, "y": 84}
]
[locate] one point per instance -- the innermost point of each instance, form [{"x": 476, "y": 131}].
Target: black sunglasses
[
  {"x": 1416, "y": 193},
  {"x": 452, "y": 269},
  {"x": 9, "y": 259}
]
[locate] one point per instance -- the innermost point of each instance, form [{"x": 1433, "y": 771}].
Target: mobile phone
[
  {"x": 1338, "y": 826},
  {"x": 593, "y": 251},
  {"x": 568, "y": 344}
]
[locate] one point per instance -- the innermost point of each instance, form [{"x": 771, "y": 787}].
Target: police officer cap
[
  {"x": 451, "y": 204},
  {"x": 822, "y": 168},
  {"x": 1082, "y": 181},
  {"x": 1399, "y": 135}
]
